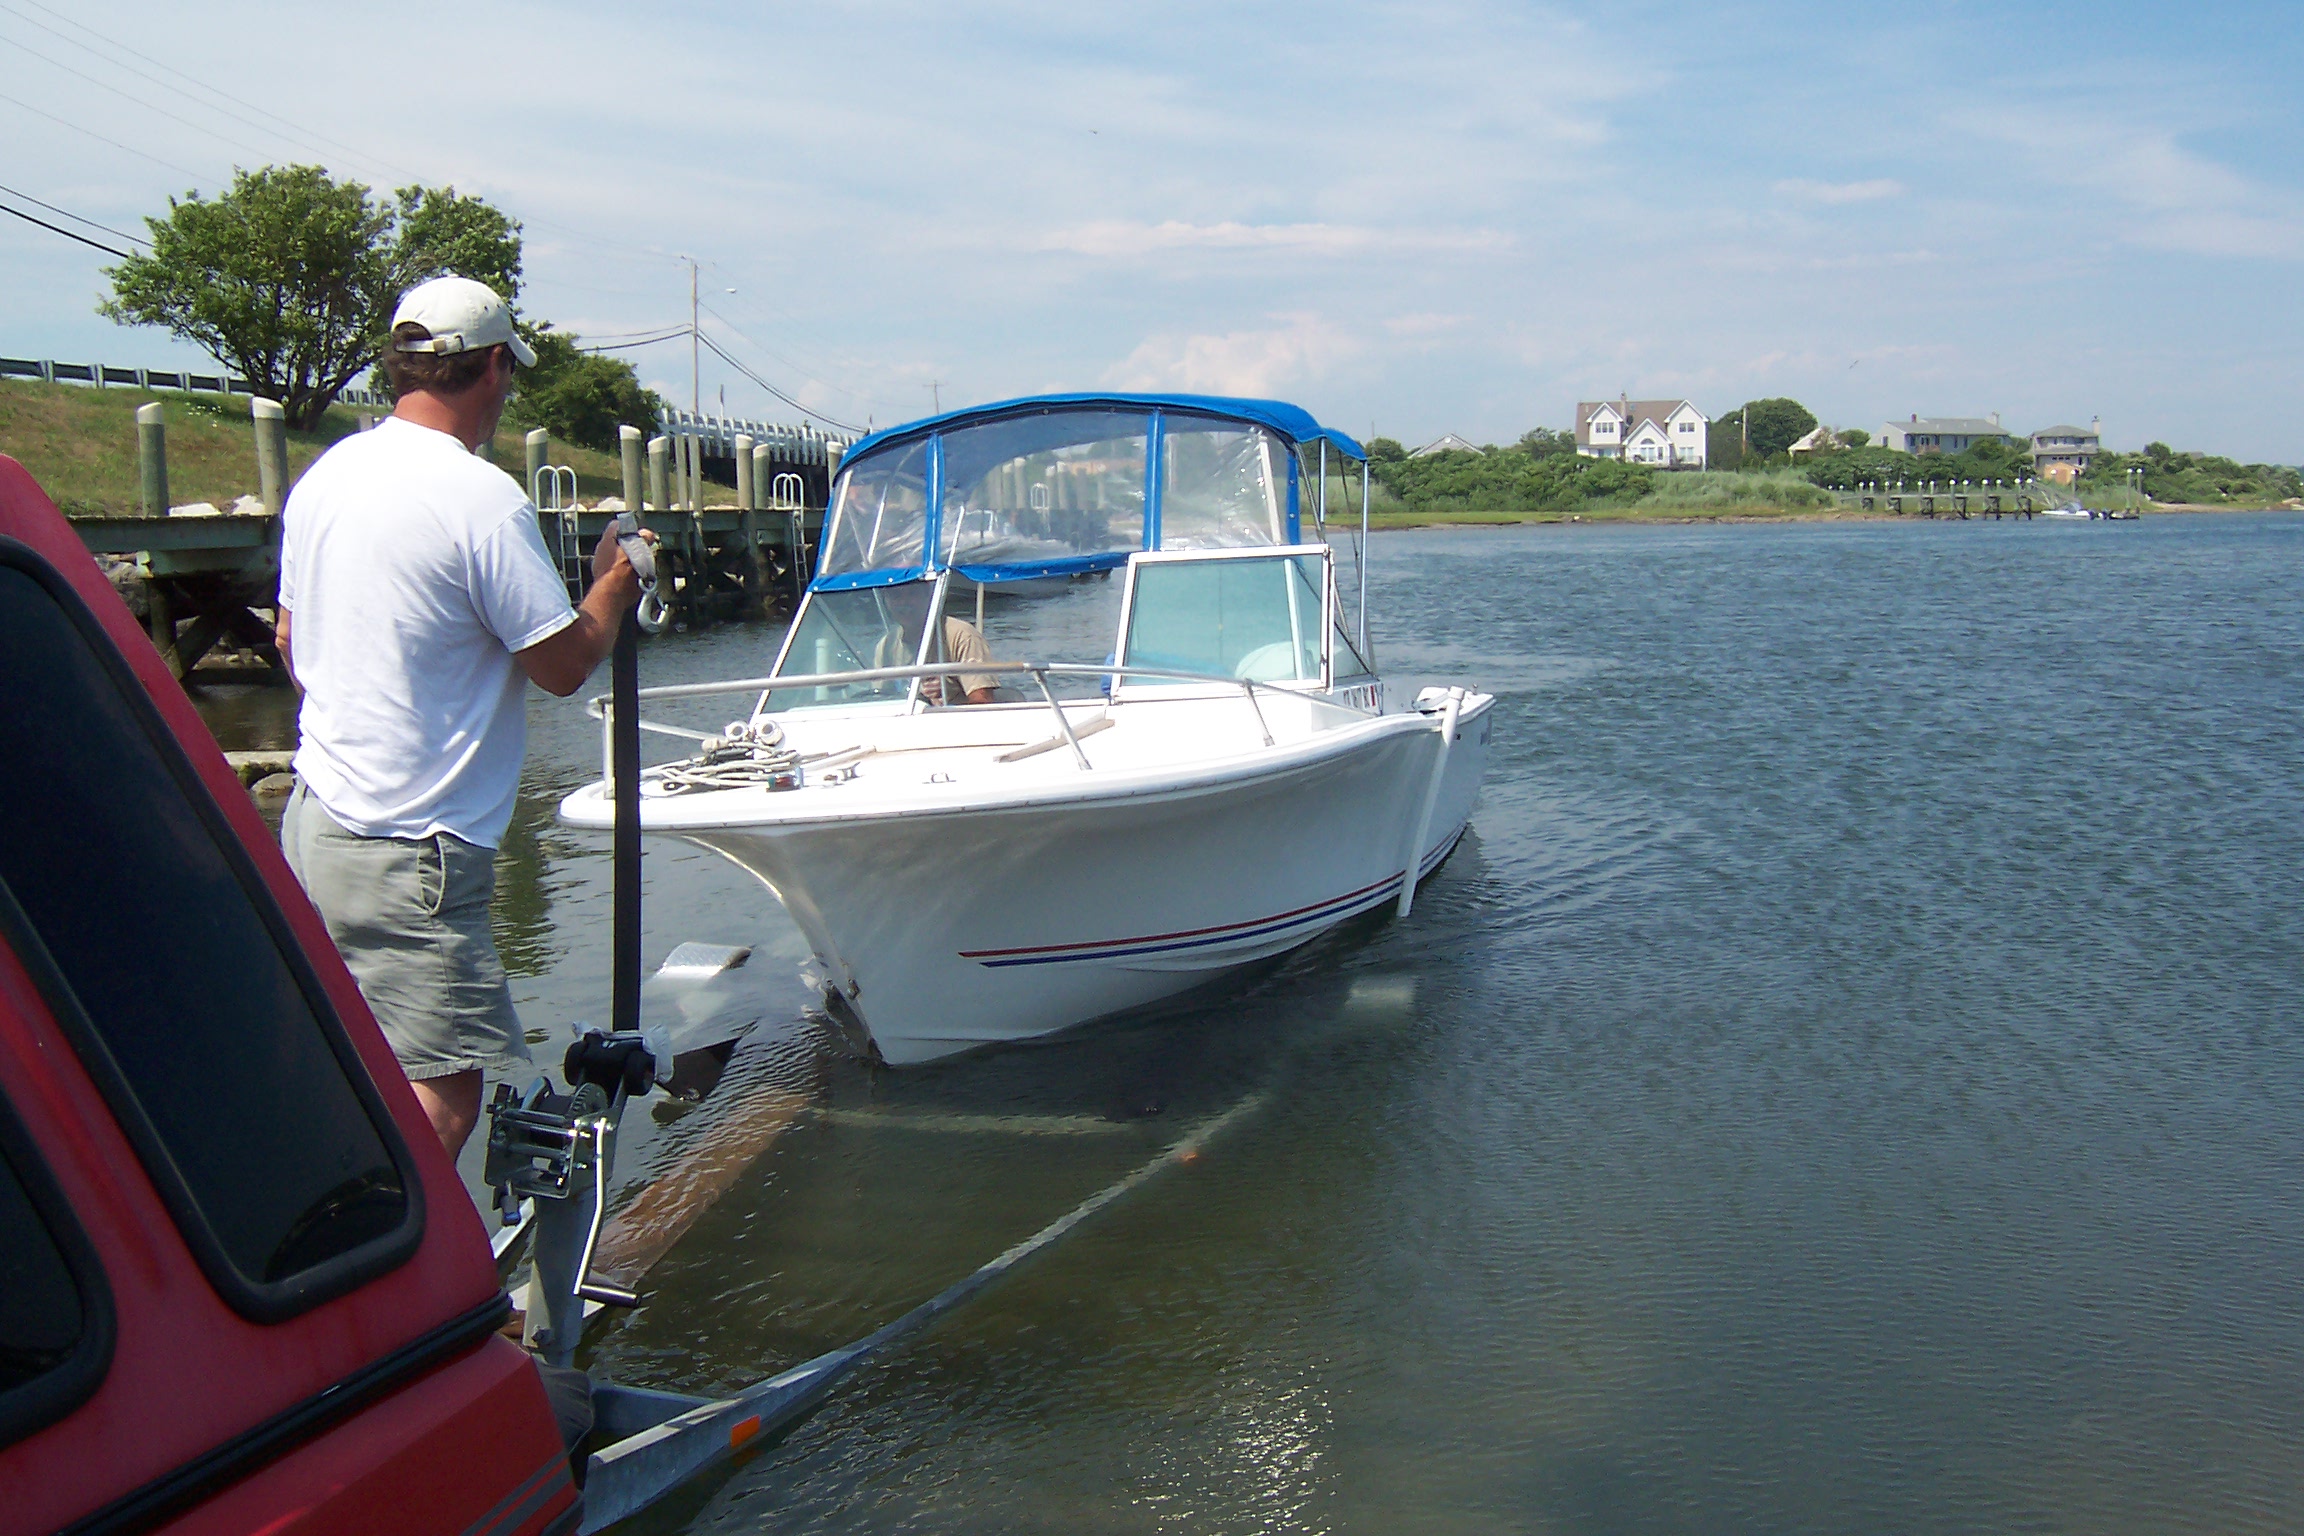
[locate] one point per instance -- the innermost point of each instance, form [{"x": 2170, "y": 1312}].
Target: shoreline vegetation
[
  {"x": 80, "y": 444},
  {"x": 1756, "y": 478},
  {"x": 1399, "y": 518}
]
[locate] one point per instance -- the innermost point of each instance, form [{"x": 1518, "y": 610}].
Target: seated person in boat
[{"x": 963, "y": 641}]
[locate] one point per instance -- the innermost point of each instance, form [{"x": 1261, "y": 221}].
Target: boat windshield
[
  {"x": 1259, "y": 618},
  {"x": 852, "y": 631}
]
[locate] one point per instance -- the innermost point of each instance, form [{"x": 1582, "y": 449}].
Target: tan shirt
[{"x": 963, "y": 641}]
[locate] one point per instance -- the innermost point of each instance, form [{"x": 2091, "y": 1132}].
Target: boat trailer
[{"x": 551, "y": 1157}]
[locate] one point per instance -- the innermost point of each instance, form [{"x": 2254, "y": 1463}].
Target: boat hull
[{"x": 942, "y": 930}]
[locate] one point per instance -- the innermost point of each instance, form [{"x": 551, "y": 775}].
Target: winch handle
[{"x": 624, "y": 762}]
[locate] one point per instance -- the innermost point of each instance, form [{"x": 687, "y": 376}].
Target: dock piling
[
  {"x": 539, "y": 445},
  {"x": 271, "y": 424},
  {"x": 628, "y": 448},
  {"x": 152, "y": 457},
  {"x": 748, "y": 462}
]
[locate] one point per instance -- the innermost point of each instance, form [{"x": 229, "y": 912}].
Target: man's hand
[
  {"x": 608, "y": 554},
  {"x": 560, "y": 662}
]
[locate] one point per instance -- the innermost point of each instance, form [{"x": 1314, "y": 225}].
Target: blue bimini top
[{"x": 1056, "y": 484}]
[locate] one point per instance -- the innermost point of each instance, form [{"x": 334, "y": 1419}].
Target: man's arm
[
  {"x": 561, "y": 661},
  {"x": 280, "y": 640}
]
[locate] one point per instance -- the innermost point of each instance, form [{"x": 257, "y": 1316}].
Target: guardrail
[
  {"x": 790, "y": 443},
  {"x": 786, "y": 442},
  {"x": 49, "y": 371}
]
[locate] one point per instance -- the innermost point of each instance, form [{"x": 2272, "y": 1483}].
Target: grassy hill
[{"x": 80, "y": 444}]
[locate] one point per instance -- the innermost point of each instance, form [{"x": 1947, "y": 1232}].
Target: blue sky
[{"x": 1411, "y": 219}]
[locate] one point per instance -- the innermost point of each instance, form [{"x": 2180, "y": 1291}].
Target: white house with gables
[{"x": 1667, "y": 433}]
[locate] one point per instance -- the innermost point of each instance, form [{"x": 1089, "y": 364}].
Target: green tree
[
  {"x": 290, "y": 277},
  {"x": 1385, "y": 450},
  {"x": 1853, "y": 437},
  {"x": 580, "y": 397},
  {"x": 1543, "y": 443},
  {"x": 1777, "y": 424}
]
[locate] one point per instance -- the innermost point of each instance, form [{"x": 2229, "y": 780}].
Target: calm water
[{"x": 1850, "y": 1080}]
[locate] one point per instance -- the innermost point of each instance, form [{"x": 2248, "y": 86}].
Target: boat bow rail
[{"x": 603, "y": 710}]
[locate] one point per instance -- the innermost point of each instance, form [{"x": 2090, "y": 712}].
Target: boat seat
[{"x": 1274, "y": 663}]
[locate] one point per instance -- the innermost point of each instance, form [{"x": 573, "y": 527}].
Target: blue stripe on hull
[{"x": 1335, "y": 909}]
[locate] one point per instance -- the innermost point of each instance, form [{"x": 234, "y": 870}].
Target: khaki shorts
[{"x": 410, "y": 916}]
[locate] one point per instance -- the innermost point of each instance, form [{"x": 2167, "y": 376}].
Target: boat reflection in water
[{"x": 1210, "y": 777}]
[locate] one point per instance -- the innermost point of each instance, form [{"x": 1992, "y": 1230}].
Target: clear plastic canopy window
[
  {"x": 1057, "y": 490},
  {"x": 880, "y": 520},
  {"x": 1223, "y": 485},
  {"x": 1037, "y": 489}
]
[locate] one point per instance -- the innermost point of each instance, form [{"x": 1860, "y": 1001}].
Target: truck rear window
[
  {"x": 55, "y": 1325},
  {"x": 169, "y": 965}
]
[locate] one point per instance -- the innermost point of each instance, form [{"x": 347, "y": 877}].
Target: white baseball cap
[{"x": 462, "y": 316}]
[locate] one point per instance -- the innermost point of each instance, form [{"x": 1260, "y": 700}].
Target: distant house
[
  {"x": 1942, "y": 434},
  {"x": 2064, "y": 453},
  {"x": 1820, "y": 439},
  {"x": 1669, "y": 433},
  {"x": 1447, "y": 443}
]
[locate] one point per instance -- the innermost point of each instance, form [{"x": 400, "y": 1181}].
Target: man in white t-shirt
[{"x": 417, "y": 602}]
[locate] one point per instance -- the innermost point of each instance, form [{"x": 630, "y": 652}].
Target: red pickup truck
[{"x": 241, "y": 1287}]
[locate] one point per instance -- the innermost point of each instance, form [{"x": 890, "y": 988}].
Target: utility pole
[
  {"x": 695, "y": 361},
  {"x": 935, "y": 388}
]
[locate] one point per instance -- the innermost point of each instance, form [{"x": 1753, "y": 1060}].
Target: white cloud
[
  {"x": 1497, "y": 205},
  {"x": 1125, "y": 238},
  {"x": 1422, "y": 326},
  {"x": 1840, "y": 191},
  {"x": 1301, "y": 348},
  {"x": 2176, "y": 199}
]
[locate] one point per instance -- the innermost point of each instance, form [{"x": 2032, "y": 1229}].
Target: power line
[
  {"x": 817, "y": 415},
  {"x": 627, "y": 346},
  {"x": 67, "y": 234},
  {"x": 788, "y": 325},
  {"x": 669, "y": 328},
  {"x": 298, "y": 137},
  {"x": 797, "y": 367},
  {"x": 192, "y": 80},
  {"x": 137, "y": 100},
  {"x": 99, "y": 138},
  {"x": 74, "y": 217}
]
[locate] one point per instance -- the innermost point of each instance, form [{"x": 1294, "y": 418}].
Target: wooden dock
[
  {"x": 212, "y": 581},
  {"x": 713, "y": 565},
  {"x": 737, "y": 508}
]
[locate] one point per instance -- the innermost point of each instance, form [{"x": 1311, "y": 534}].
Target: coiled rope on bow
[{"x": 743, "y": 756}]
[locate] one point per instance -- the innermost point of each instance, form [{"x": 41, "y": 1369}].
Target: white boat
[
  {"x": 1212, "y": 779},
  {"x": 2069, "y": 509}
]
